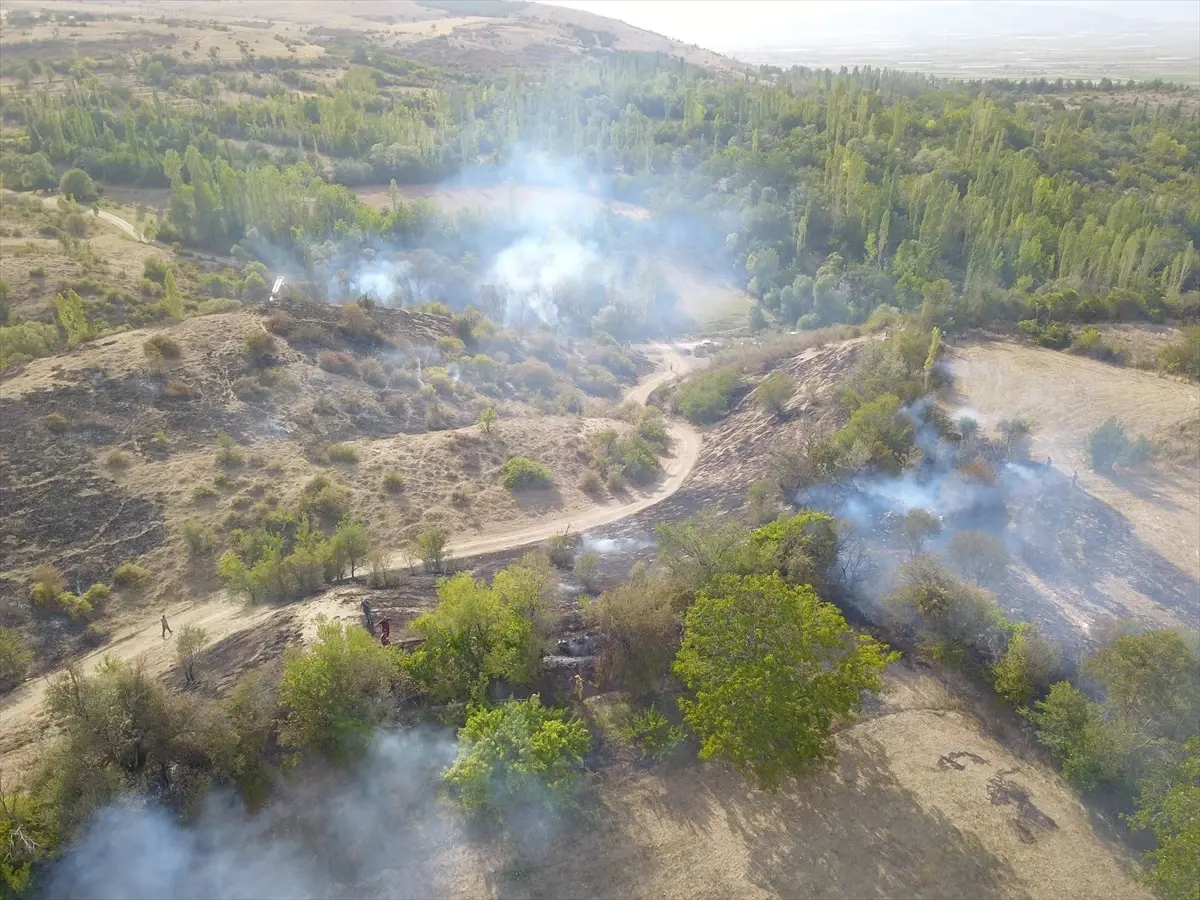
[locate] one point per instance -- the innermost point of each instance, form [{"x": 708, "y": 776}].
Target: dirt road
[
  {"x": 221, "y": 616},
  {"x": 108, "y": 217}
]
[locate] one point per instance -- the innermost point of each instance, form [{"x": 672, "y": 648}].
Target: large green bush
[
  {"x": 706, "y": 397},
  {"x": 520, "y": 473},
  {"x": 517, "y": 755}
]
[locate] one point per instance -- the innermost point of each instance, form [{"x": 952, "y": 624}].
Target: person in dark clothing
[
  {"x": 166, "y": 629},
  {"x": 368, "y": 616},
  {"x": 1075, "y": 479}
]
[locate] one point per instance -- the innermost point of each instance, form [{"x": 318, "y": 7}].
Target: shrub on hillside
[
  {"x": 520, "y": 473},
  {"x": 638, "y": 630},
  {"x": 341, "y": 453},
  {"x": 708, "y": 396},
  {"x": 48, "y": 582},
  {"x": 161, "y": 347},
  {"x": 1110, "y": 445},
  {"x": 261, "y": 347},
  {"x": 130, "y": 574},
  {"x": 15, "y": 658},
  {"x": 773, "y": 393},
  {"x": 1183, "y": 356},
  {"x": 77, "y": 185},
  {"x": 337, "y": 362},
  {"x": 430, "y": 547}
]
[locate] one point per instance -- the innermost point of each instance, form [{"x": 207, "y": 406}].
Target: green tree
[
  {"x": 73, "y": 317},
  {"x": 802, "y": 548},
  {"x": 350, "y": 545},
  {"x": 1153, "y": 680},
  {"x": 475, "y": 634},
  {"x": 336, "y": 691},
  {"x": 517, "y": 755},
  {"x": 1024, "y": 670},
  {"x": 1071, "y": 727},
  {"x": 697, "y": 549},
  {"x": 487, "y": 420},
  {"x": 877, "y": 434},
  {"x": 638, "y": 630},
  {"x": 771, "y": 669},
  {"x": 172, "y": 302},
  {"x": 431, "y": 548},
  {"x": 77, "y": 185},
  {"x": 1169, "y": 806}
]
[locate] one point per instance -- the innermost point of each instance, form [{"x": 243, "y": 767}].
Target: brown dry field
[{"x": 1145, "y": 524}]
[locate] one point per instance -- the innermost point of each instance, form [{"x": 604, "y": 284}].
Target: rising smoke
[{"x": 370, "y": 830}]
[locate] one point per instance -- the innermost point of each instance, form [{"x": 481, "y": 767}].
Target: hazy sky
[{"x": 726, "y": 25}]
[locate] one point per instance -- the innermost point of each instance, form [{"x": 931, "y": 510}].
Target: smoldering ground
[{"x": 378, "y": 828}]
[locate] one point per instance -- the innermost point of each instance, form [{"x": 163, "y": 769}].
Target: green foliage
[
  {"x": 28, "y": 836},
  {"x": 199, "y": 539},
  {"x": 29, "y": 340},
  {"x": 1105, "y": 445},
  {"x": 349, "y": 546},
  {"x": 1152, "y": 679},
  {"x": 877, "y": 434},
  {"x": 229, "y": 454},
  {"x": 431, "y": 547},
  {"x": 980, "y": 556},
  {"x": 1169, "y": 806},
  {"x": 1183, "y": 356},
  {"x": 771, "y": 712},
  {"x": 1025, "y": 669},
  {"x": 172, "y": 302},
  {"x": 1055, "y": 335},
  {"x": 72, "y": 317},
  {"x": 130, "y": 574},
  {"x": 261, "y": 347},
  {"x": 802, "y": 548},
  {"x": 336, "y": 691},
  {"x": 487, "y": 420},
  {"x": 773, "y": 393},
  {"x": 700, "y": 548},
  {"x": 520, "y": 473},
  {"x": 48, "y": 582},
  {"x": 161, "y": 347},
  {"x": 652, "y": 734},
  {"x": 476, "y": 633},
  {"x": 77, "y": 184},
  {"x": 707, "y": 396},
  {"x": 393, "y": 482},
  {"x": 341, "y": 453},
  {"x": 15, "y": 658},
  {"x": 1070, "y": 726},
  {"x": 517, "y": 755}
]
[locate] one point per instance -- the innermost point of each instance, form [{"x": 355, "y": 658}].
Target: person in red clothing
[{"x": 385, "y": 631}]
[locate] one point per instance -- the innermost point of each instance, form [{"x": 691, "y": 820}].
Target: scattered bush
[
  {"x": 393, "y": 482},
  {"x": 1070, "y": 726},
  {"x": 131, "y": 575},
  {"x": 161, "y": 347},
  {"x": 188, "y": 644},
  {"x": 522, "y": 474},
  {"x": 199, "y": 539},
  {"x": 1110, "y": 445},
  {"x": 261, "y": 348},
  {"x": 48, "y": 582},
  {"x": 590, "y": 483},
  {"x": 587, "y": 568},
  {"x": 774, "y": 392},
  {"x": 487, "y": 420},
  {"x": 1025, "y": 669},
  {"x": 431, "y": 548},
  {"x": 228, "y": 453},
  {"x": 15, "y": 658},
  {"x": 980, "y": 556},
  {"x": 916, "y": 527},
  {"x": 202, "y": 493},
  {"x": 1169, "y": 806},
  {"x": 638, "y": 629},
  {"x": 337, "y": 362},
  {"x": 1183, "y": 356},
  {"x": 372, "y": 373},
  {"x": 56, "y": 422},
  {"x": 116, "y": 460},
  {"x": 517, "y": 755},
  {"x": 560, "y": 550},
  {"x": 341, "y": 453}
]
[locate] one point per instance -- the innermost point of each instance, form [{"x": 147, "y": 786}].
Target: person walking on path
[{"x": 166, "y": 629}]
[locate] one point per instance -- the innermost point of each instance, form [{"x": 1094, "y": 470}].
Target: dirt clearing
[{"x": 1155, "y": 511}]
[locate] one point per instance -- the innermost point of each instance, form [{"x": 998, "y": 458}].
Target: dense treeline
[{"x": 833, "y": 193}]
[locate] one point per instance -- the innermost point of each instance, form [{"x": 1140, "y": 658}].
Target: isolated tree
[
  {"x": 77, "y": 185},
  {"x": 697, "y": 549},
  {"x": 335, "y": 691},
  {"x": 350, "y": 545},
  {"x": 487, "y": 420},
  {"x": 517, "y": 755},
  {"x": 1013, "y": 434},
  {"x": 188, "y": 643},
  {"x": 980, "y": 556},
  {"x": 774, "y": 392},
  {"x": 431, "y": 548},
  {"x": 73, "y": 317},
  {"x": 1105, "y": 445},
  {"x": 770, "y": 670},
  {"x": 1071, "y": 727},
  {"x": 916, "y": 527},
  {"x": 172, "y": 302}
]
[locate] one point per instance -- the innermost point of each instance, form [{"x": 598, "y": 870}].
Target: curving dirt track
[
  {"x": 221, "y": 616},
  {"x": 108, "y": 217}
]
